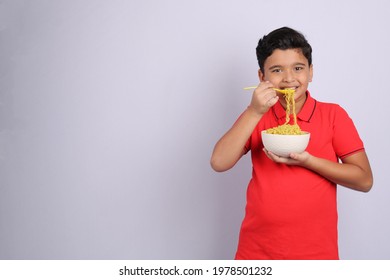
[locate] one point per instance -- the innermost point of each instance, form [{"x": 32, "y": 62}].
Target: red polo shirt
[{"x": 291, "y": 212}]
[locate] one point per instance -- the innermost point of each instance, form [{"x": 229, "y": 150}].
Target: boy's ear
[
  {"x": 311, "y": 73},
  {"x": 261, "y": 75}
]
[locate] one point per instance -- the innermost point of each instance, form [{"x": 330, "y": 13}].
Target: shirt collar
[{"x": 305, "y": 114}]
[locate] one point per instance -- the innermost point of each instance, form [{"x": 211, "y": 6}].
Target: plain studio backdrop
[{"x": 109, "y": 111}]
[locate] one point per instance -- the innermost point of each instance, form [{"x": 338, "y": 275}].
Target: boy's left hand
[{"x": 294, "y": 159}]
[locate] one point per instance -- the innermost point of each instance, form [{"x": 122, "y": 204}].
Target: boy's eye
[
  {"x": 298, "y": 68},
  {"x": 276, "y": 70}
]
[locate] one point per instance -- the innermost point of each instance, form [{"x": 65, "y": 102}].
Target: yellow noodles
[{"x": 286, "y": 128}]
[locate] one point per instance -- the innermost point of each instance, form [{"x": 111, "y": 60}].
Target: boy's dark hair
[{"x": 283, "y": 38}]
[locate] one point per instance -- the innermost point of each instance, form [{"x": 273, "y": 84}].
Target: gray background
[{"x": 109, "y": 111}]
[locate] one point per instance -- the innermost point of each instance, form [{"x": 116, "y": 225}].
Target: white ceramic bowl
[{"x": 283, "y": 145}]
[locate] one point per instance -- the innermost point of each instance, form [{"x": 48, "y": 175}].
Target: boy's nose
[{"x": 288, "y": 76}]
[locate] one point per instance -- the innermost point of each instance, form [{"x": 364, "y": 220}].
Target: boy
[{"x": 291, "y": 210}]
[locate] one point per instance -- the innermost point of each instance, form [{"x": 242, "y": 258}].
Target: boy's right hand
[{"x": 263, "y": 98}]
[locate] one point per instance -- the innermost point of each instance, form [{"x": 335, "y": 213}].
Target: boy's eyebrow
[
  {"x": 274, "y": 66},
  {"x": 280, "y": 66},
  {"x": 300, "y": 64}
]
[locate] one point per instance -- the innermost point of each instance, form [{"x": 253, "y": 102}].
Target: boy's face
[{"x": 288, "y": 69}]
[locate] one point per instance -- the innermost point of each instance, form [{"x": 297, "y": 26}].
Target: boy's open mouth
[{"x": 294, "y": 88}]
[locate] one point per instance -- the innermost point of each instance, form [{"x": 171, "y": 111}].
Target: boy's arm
[
  {"x": 231, "y": 147},
  {"x": 354, "y": 172}
]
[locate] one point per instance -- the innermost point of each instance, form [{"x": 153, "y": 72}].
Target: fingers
[
  {"x": 269, "y": 94},
  {"x": 264, "y": 97},
  {"x": 276, "y": 158},
  {"x": 294, "y": 156},
  {"x": 265, "y": 85},
  {"x": 272, "y": 101},
  {"x": 293, "y": 159}
]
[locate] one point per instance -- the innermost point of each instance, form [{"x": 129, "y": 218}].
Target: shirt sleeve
[{"x": 346, "y": 140}]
